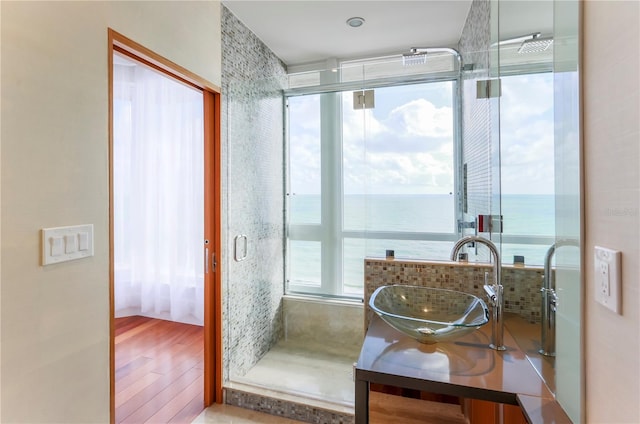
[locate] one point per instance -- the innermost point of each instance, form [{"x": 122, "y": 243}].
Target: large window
[
  {"x": 527, "y": 166},
  {"x": 364, "y": 180}
]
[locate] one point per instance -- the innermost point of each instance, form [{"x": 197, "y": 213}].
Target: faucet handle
[
  {"x": 553, "y": 300},
  {"x": 491, "y": 294}
]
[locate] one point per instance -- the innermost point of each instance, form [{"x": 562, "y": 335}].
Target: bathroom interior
[
  {"x": 55, "y": 320},
  {"x": 479, "y": 138}
]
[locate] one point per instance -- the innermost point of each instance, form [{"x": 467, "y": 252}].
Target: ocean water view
[{"x": 523, "y": 215}]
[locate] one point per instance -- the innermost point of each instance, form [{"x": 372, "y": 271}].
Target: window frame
[
  {"x": 330, "y": 232},
  {"x": 332, "y": 256}
]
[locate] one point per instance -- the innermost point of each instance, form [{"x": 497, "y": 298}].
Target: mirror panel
[
  {"x": 537, "y": 42},
  {"x": 569, "y": 361}
]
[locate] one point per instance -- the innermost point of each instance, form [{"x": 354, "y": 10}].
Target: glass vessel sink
[{"x": 427, "y": 314}]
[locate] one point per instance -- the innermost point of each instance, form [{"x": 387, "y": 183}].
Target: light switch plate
[
  {"x": 61, "y": 244},
  {"x": 607, "y": 276}
]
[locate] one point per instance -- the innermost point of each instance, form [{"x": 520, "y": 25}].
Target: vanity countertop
[
  {"x": 527, "y": 335},
  {"x": 466, "y": 367}
]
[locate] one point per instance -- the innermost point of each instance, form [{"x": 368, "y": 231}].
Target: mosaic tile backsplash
[
  {"x": 253, "y": 78},
  {"x": 521, "y": 285}
]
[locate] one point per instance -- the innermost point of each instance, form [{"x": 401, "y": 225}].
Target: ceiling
[{"x": 307, "y": 31}]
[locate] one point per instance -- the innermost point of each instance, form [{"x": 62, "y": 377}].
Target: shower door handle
[{"x": 239, "y": 257}]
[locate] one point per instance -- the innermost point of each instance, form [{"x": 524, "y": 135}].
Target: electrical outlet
[{"x": 608, "y": 281}]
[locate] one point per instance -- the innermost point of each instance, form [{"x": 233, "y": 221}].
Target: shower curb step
[{"x": 284, "y": 405}]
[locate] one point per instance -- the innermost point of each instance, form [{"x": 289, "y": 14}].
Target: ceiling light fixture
[{"x": 355, "y": 22}]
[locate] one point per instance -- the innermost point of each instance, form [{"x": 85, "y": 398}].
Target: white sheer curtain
[{"x": 158, "y": 195}]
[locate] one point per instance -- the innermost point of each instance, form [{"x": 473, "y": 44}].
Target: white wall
[
  {"x": 611, "y": 111},
  {"x": 54, "y": 135}
]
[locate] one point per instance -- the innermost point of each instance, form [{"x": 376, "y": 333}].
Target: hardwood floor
[{"x": 159, "y": 371}]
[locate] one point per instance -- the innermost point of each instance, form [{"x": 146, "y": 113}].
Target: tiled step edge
[{"x": 286, "y": 408}]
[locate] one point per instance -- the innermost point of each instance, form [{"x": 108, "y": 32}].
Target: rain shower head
[
  {"x": 418, "y": 55},
  {"x": 530, "y": 43},
  {"x": 414, "y": 57},
  {"x": 536, "y": 44}
]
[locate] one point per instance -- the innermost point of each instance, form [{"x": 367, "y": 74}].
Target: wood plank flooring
[{"x": 159, "y": 371}]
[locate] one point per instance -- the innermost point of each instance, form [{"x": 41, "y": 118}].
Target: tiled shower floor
[{"x": 301, "y": 370}]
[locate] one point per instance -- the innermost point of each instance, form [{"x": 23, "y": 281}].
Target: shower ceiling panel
[
  {"x": 311, "y": 31},
  {"x": 301, "y": 32}
]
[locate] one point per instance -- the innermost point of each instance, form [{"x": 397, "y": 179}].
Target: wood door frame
[{"x": 212, "y": 213}]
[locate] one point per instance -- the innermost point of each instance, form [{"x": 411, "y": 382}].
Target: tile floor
[
  {"x": 291, "y": 371},
  {"x": 310, "y": 373}
]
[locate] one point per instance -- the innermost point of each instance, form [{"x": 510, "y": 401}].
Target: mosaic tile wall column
[
  {"x": 476, "y": 116},
  {"x": 252, "y": 148}
]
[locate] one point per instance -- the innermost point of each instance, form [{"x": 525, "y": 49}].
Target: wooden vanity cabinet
[
  {"x": 397, "y": 404},
  {"x": 485, "y": 412},
  {"x": 494, "y": 385}
]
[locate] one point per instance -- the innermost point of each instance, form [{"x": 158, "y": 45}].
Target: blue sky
[{"x": 405, "y": 144}]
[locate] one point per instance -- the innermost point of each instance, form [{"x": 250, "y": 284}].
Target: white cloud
[
  {"x": 402, "y": 173},
  {"x": 414, "y": 125},
  {"x": 526, "y": 135},
  {"x": 420, "y": 117},
  {"x": 409, "y": 149}
]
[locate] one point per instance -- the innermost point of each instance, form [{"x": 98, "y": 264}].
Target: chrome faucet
[
  {"x": 495, "y": 291},
  {"x": 550, "y": 301}
]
